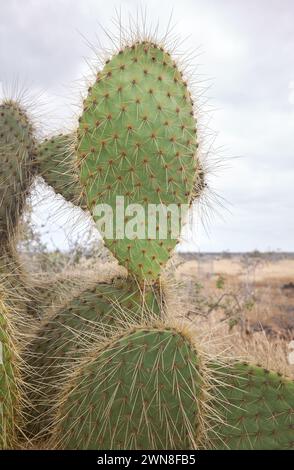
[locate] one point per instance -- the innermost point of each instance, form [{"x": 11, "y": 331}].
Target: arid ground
[{"x": 240, "y": 304}]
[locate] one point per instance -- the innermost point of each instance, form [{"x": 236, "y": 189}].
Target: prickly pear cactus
[
  {"x": 142, "y": 390},
  {"x": 257, "y": 407},
  {"x": 106, "y": 371},
  {"x": 137, "y": 140},
  {"x": 55, "y": 162},
  {"x": 17, "y": 153},
  {"x": 9, "y": 391}
]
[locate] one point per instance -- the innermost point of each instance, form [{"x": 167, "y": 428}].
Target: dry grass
[{"x": 255, "y": 291}]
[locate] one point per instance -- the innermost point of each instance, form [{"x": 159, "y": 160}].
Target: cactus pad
[
  {"x": 141, "y": 391},
  {"x": 137, "y": 140}
]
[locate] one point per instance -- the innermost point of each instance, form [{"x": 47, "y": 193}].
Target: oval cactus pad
[{"x": 136, "y": 151}]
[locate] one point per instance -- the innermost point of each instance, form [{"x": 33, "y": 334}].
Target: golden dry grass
[{"x": 252, "y": 289}]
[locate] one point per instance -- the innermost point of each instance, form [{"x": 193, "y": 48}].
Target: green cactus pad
[
  {"x": 140, "y": 391},
  {"x": 137, "y": 139},
  {"x": 56, "y": 166},
  {"x": 17, "y": 153},
  {"x": 62, "y": 338},
  {"x": 257, "y": 411}
]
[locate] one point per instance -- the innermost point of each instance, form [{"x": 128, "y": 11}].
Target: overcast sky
[{"x": 245, "y": 56}]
